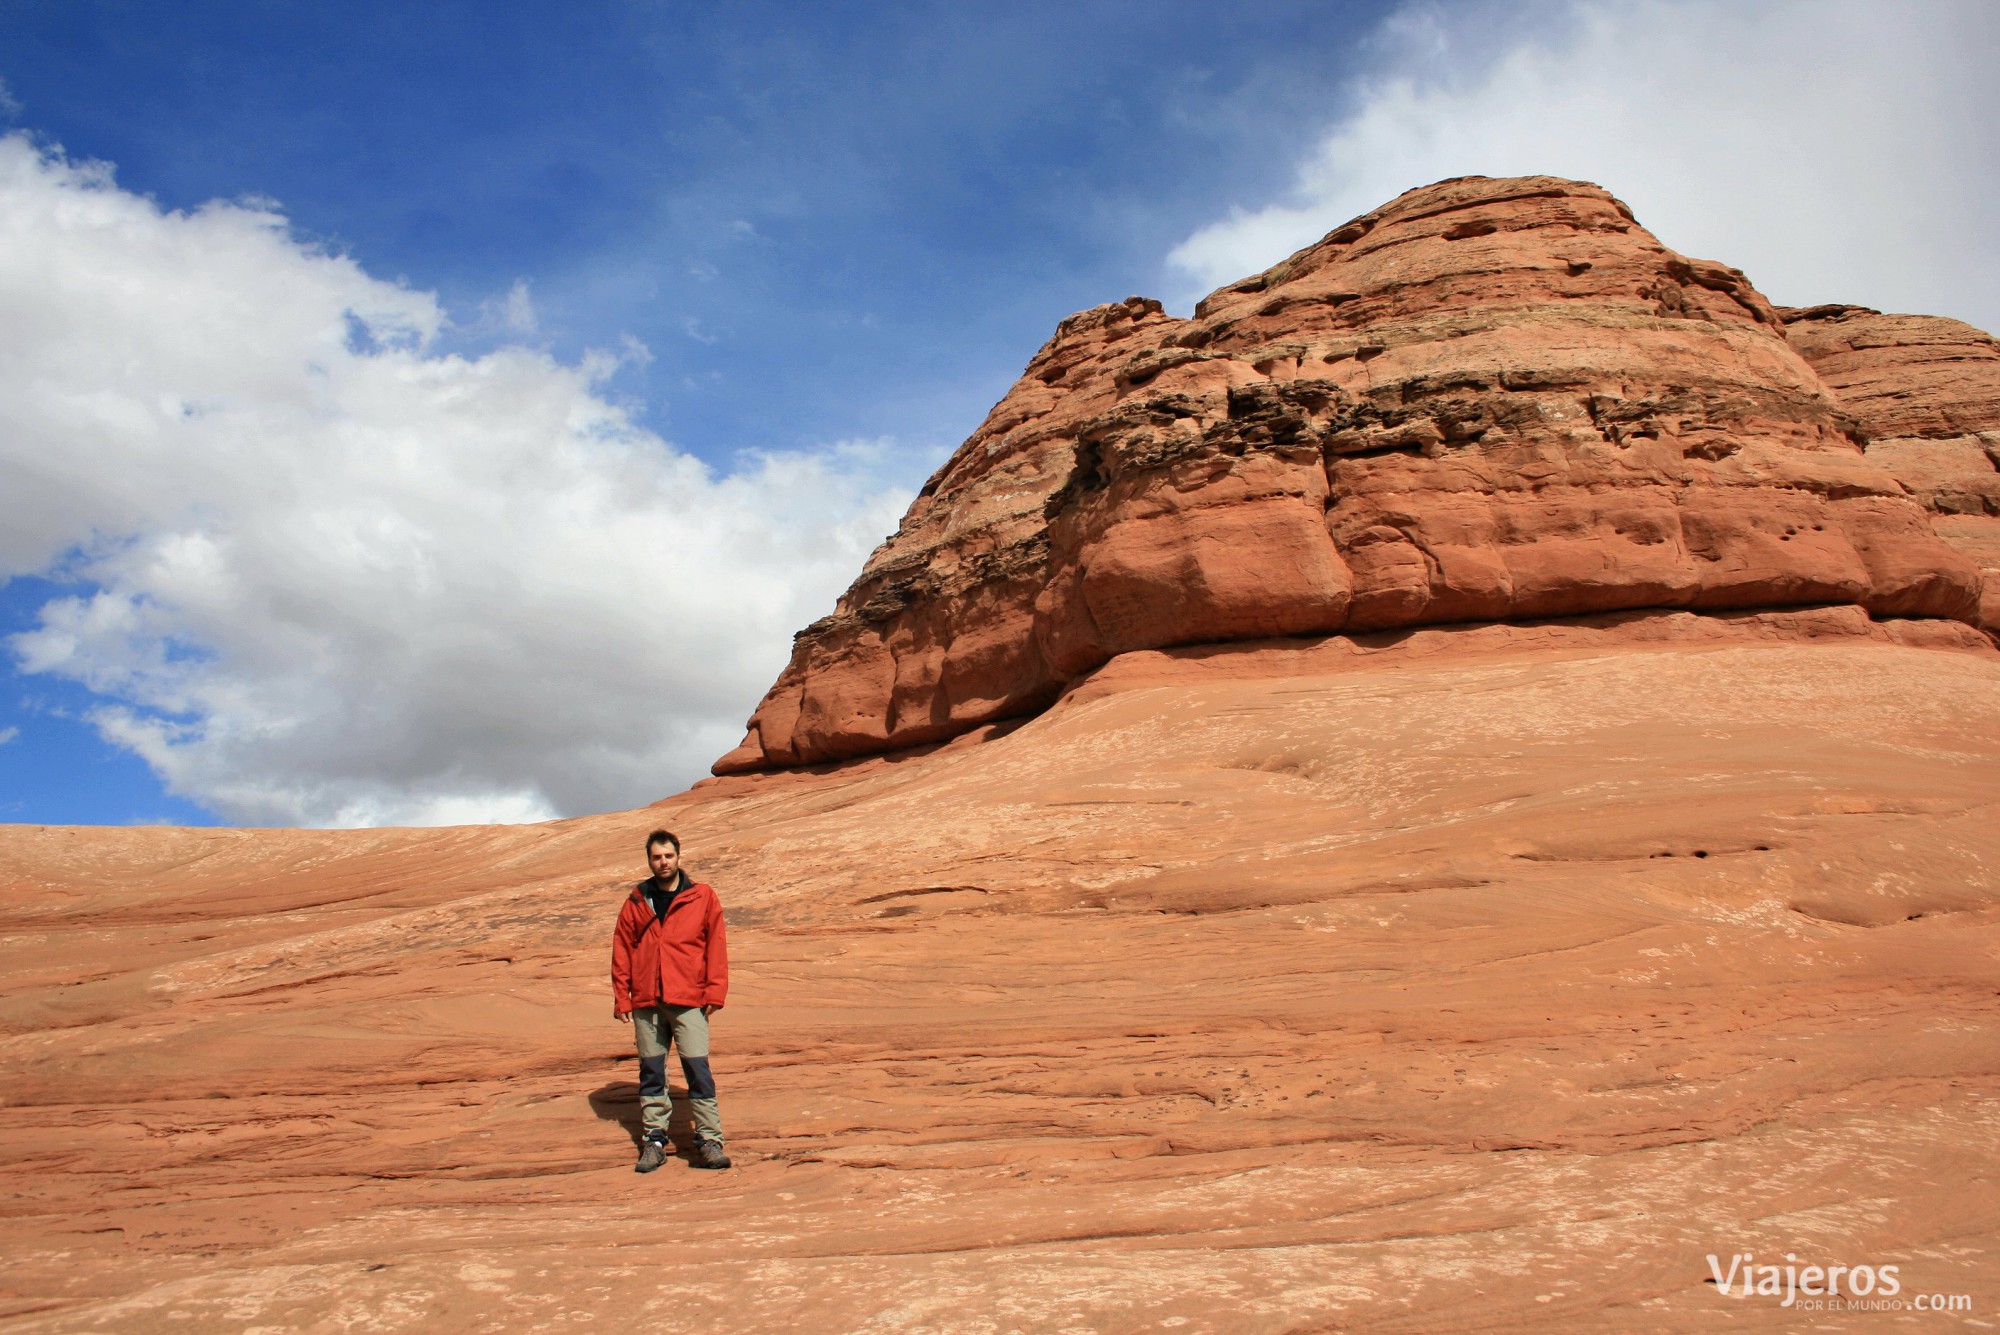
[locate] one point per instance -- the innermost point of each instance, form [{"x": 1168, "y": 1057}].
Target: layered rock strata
[
  {"x": 1487, "y": 400},
  {"x": 1925, "y": 393}
]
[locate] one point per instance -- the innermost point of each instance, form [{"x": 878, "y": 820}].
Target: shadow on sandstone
[{"x": 619, "y": 1102}]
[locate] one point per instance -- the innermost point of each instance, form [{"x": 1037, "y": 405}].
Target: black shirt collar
[{"x": 659, "y": 896}]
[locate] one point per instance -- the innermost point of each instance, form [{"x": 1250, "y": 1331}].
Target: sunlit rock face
[
  {"x": 1388, "y": 982},
  {"x": 1925, "y": 392},
  {"x": 1489, "y": 400}
]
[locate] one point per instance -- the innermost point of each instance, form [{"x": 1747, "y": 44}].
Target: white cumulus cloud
[
  {"x": 326, "y": 574},
  {"x": 1835, "y": 150},
  {"x": 511, "y": 314}
]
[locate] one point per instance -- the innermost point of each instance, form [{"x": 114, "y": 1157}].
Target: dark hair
[{"x": 658, "y": 837}]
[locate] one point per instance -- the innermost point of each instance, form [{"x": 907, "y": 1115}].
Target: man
[{"x": 669, "y": 973}]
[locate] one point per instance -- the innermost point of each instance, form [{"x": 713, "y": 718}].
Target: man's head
[{"x": 663, "y": 854}]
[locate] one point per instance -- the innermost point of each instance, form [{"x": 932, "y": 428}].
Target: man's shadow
[{"x": 619, "y": 1102}]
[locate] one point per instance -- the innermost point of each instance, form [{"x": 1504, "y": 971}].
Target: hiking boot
[
  {"x": 710, "y": 1154},
  {"x": 652, "y": 1153}
]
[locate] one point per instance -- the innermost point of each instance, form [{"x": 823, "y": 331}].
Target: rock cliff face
[
  {"x": 1926, "y": 393},
  {"x": 1489, "y": 400}
]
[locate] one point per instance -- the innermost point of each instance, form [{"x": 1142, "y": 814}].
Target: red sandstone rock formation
[
  {"x": 1463, "y": 980},
  {"x": 1926, "y": 393},
  {"x": 1488, "y": 400},
  {"x": 1448, "y": 979}
]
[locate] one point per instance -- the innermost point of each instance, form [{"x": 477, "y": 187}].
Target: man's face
[{"x": 664, "y": 859}]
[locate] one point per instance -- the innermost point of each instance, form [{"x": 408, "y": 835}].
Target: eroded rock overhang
[{"x": 1490, "y": 400}]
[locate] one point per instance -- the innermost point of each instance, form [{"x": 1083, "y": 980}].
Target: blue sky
[
  {"x": 821, "y": 220},
  {"x": 750, "y": 270}
]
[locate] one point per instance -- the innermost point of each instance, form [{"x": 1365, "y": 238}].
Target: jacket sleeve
[
  {"x": 621, "y": 960},
  {"x": 717, "y": 991}
]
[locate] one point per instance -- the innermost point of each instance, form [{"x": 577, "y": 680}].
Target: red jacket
[{"x": 679, "y": 960}]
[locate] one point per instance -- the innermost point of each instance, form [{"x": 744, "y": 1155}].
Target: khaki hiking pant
[{"x": 687, "y": 1029}]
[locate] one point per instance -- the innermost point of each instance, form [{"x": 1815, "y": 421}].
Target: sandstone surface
[
  {"x": 1434, "y": 795},
  {"x": 1450, "y": 980},
  {"x": 1926, "y": 394},
  {"x": 1489, "y": 400}
]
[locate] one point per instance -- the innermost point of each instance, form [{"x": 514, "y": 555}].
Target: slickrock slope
[
  {"x": 1489, "y": 400},
  {"x": 1455, "y": 980},
  {"x": 1434, "y": 795},
  {"x": 1926, "y": 392}
]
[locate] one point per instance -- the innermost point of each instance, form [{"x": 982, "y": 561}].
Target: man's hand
[
  {"x": 623, "y": 1017},
  {"x": 707, "y": 1011}
]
